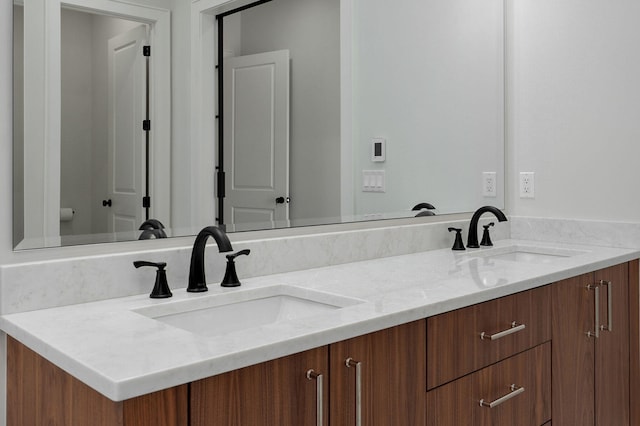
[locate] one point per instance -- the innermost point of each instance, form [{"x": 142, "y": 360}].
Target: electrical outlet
[
  {"x": 489, "y": 184},
  {"x": 527, "y": 185}
]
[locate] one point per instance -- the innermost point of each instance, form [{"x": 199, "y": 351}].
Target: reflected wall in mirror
[{"x": 423, "y": 78}]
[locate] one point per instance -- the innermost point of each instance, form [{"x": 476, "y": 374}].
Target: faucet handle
[
  {"x": 486, "y": 238},
  {"x": 458, "y": 244},
  {"x": 141, "y": 263},
  {"x": 230, "y": 276},
  {"x": 240, "y": 253},
  {"x": 161, "y": 287}
]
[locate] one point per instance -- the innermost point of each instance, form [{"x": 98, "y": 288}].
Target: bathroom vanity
[{"x": 494, "y": 336}]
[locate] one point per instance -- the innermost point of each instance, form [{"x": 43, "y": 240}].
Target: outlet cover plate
[
  {"x": 527, "y": 185},
  {"x": 489, "y": 184}
]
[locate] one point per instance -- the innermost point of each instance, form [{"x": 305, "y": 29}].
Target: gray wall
[
  {"x": 310, "y": 30},
  {"x": 76, "y": 141},
  {"x": 18, "y": 124}
]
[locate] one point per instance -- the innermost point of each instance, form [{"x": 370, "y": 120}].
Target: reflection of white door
[
  {"x": 126, "y": 138},
  {"x": 256, "y": 137}
]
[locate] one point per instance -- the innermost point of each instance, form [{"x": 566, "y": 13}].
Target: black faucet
[
  {"x": 197, "y": 280},
  {"x": 472, "y": 239},
  {"x": 152, "y": 228},
  {"x": 421, "y": 208}
]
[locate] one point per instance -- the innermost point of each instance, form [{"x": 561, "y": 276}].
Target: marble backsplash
[
  {"x": 572, "y": 231},
  {"x": 40, "y": 285}
]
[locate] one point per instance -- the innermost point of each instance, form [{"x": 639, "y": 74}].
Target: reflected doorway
[
  {"x": 253, "y": 128},
  {"x": 104, "y": 104}
]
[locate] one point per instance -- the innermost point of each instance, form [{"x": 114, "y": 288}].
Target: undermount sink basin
[
  {"x": 527, "y": 254},
  {"x": 216, "y": 314}
]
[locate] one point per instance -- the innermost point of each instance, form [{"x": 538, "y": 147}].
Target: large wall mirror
[{"x": 172, "y": 115}]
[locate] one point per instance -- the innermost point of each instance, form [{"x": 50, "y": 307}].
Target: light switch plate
[{"x": 373, "y": 181}]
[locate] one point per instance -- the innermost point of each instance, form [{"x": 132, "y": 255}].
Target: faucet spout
[
  {"x": 197, "y": 279},
  {"x": 472, "y": 239}
]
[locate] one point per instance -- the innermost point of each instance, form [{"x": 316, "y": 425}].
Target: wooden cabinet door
[
  {"x": 393, "y": 377},
  {"x": 273, "y": 393},
  {"x": 40, "y": 393},
  {"x": 573, "y": 315},
  {"x": 515, "y": 391},
  {"x": 591, "y": 374},
  {"x": 612, "y": 348}
]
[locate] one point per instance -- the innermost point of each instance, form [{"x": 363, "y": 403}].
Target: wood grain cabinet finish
[
  {"x": 277, "y": 393},
  {"x": 454, "y": 343},
  {"x": 40, "y": 393},
  {"x": 393, "y": 377},
  {"x": 591, "y": 383},
  {"x": 273, "y": 393},
  {"x": 516, "y": 391}
]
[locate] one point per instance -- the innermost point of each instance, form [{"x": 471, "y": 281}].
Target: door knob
[
  {"x": 106, "y": 203},
  {"x": 282, "y": 200}
]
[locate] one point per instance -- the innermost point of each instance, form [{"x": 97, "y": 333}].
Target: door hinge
[
  {"x": 221, "y": 184},
  {"x": 146, "y": 50},
  {"x": 146, "y": 125},
  {"x": 146, "y": 202}
]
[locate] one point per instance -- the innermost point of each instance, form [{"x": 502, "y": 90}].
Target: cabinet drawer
[
  {"x": 518, "y": 388},
  {"x": 455, "y": 346}
]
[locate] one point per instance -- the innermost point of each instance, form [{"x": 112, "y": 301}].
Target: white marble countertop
[{"x": 122, "y": 353}]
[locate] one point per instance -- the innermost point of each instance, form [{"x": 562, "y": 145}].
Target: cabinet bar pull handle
[
  {"x": 609, "y": 326},
  {"x": 515, "y": 327},
  {"x": 514, "y": 392},
  {"x": 312, "y": 375},
  {"x": 358, "y": 365},
  {"x": 596, "y": 288}
]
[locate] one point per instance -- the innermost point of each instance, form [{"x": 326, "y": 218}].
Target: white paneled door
[
  {"x": 126, "y": 137},
  {"x": 256, "y": 138}
]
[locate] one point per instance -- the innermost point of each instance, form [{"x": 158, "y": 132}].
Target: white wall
[{"x": 574, "y": 114}]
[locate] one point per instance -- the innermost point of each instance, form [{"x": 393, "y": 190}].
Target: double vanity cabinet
[{"x": 565, "y": 352}]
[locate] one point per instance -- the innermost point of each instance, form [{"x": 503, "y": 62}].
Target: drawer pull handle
[
  {"x": 515, "y": 327},
  {"x": 312, "y": 375},
  {"x": 514, "y": 392},
  {"x": 349, "y": 362},
  {"x": 596, "y": 303},
  {"x": 609, "y": 326}
]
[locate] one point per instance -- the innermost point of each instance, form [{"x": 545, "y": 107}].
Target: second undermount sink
[
  {"x": 216, "y": 314},
  {"x": 527, "y": 254}
]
